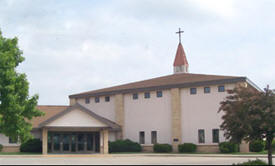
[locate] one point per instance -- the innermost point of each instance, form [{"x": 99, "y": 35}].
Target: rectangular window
[
  {"x": 201, "y": 136},
  {"x": 87, "y": 100},
  {"x": 154, "y": 137},
  {"x": 12, "y": 141},
  {"x": 221, "y": 88},
  {"x": 193, "y": 91},
  {"x": 97, "y": 99},
  {"x": 206, "y": 89},
  {"x": 107, "y": 98},
  {"x": 135, "y": 96},
  {"x": 141, "y": 137},
  {"x": 159, "y": 93},
  {"x": 147, "y": 95},
  {"x": 215, "y": 134}
]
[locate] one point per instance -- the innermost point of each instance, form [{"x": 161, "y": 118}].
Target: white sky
[{"x": 74, "y": 46}]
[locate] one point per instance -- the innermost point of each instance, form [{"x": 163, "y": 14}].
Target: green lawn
[{"x": 18, "y": 153}]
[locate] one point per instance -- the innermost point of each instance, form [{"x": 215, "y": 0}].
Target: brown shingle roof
[
  {"x": 165, "y": 82},
  {"x": 49, "y": 111}
]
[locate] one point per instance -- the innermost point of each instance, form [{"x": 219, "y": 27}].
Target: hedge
[
  {"x": 32, "y": 145},
  {"x": 124, "y": 146},
  {"x": 187, "y": 148},
  {"x": 1, "y": 147},
  {"x": 162, "y": 148},
  {"x": 253, "y": 162},
  {"x": 228, "y": 147},
  {"x": 256, "y": 146}
]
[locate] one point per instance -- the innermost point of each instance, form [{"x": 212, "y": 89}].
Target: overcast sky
[{"x": 73, "y": 46}]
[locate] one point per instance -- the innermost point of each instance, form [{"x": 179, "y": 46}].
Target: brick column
[
  {"x": 119, "y": 110},
  {"x": 176, "y": 118},
  {"x": 244, "y": 147},
  {"x": 44, "y": 141},
  {"x": 105, "y": 142}
]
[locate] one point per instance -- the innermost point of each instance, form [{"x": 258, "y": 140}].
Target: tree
[
  {"x": 16, "y": 107},
  {"x": 249, "y": 115}
]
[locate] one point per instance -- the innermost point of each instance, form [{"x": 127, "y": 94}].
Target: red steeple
[{"x": 180, "y": 58}]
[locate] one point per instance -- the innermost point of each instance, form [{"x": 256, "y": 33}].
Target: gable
[{"x": 76, "y": 118}]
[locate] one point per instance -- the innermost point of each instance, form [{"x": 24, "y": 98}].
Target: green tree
[
  {"x": 249, "y": 115},
  {"x": 17, "y": 108}
]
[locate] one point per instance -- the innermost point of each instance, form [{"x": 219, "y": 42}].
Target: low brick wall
[
  {"x": 208, "y": 148},
  {"x": 11, "y": 149},
  {"x": 147, "y": 148}
]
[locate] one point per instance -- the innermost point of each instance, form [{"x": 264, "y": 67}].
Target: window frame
[
  {"x": 141, "y": 137},
  {"x": 205, "y": 89},
  {"x": 154, "y": 137},
  {"x": 221, "y": 90},
  {"x": 193, "y": 92},
  {"x": 159, "y": 94},
  {"x": 107, "y": 98},
  {"x": 215, "y": 138},
  {"x": 199, "y": 138},
  {"x": 87, "y": 100},
  {"x": 97, "y": 99},
  {"x": 12, "y": 141},
  {"x": 135, "y": 96},
  {"x": 147, "y": 95}
]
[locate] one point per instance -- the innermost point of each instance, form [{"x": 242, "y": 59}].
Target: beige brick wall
[
  {"x": 9, "y": 149},
  {"x": 120, "y": 115},
  {"x": 147, "y": 148},
  {"x": 176, "y": 118},
  {"x": 208, "y": 148}
]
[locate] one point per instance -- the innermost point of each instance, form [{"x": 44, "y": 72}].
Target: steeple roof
[{"x": 180, "y": 58}]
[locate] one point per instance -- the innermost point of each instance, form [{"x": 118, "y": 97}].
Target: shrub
[
  {"x": 256, "y": 146},
  {"x": 162, "y": 148},
  {"x": 253, "y": 162},
  {"x": 32, "y": 145},
  {"x": 1, "y": 147},
  {"x": 187, "y": 148},
  {"x": 124, "y": 146},
  {"x": 228, "y": 147},
  {"x": 273, "y": 145}
]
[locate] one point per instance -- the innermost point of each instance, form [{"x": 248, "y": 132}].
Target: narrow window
[
  {"x": 215, "y": 135},
  {"x": 154, "y": 137},
  {"x": 107, "y": 98},
  {"x": 97, "y": 99},
  {"x": 147, "y": 95},
  {"x": 141, "y": 137},
  {"x": 193, "y": 91},
  {"x": 206, "y": 89},
  {"x": 159, "y": 93},
  {"x": 221, "y": 88},
  {"x": 135, "y": 96},
  {"x": 87, "y": 100},
  {"x": 12, "y": 141},
  {"x": 201, "y": 136}
]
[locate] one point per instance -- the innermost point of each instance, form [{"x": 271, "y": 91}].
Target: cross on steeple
[{"x": 179, "y": 32}]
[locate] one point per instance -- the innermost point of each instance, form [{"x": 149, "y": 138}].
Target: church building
[{"x": 173, "y": 109}]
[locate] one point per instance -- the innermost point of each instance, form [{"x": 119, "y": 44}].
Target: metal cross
[{"x": 179, "y": 32}]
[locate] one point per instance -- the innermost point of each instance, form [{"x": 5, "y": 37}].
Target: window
[
  {"x": 12, "y": 141},
  {"x": 159, "y": 93},
  {"x": 87, "y": 100},
  {"x": 221, "y": 88},
  {"x": 215, "y": 135},
  {"x": 141, "y": 137},
  {"x": 206, "y": 89},
  {"x": 201, "y": 136},
  {"x": 193, "y": 91},
  {"x": 154, "y": 137},
  {"x": 107, "y": 98},
  {"x": 97, "y": 99},
  {"x": 135, "y": 96},
  {"x": 147, "y": 95}
]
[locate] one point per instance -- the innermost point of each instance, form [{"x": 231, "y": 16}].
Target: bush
[
  {"x": 187, "y": 148},
  {"x": 228, "y": 147},
  {"x": 273, "y": 145},
  {"x": 32, "y": 145},
  {"x": 256, "y": 146},
  {"x": 1, "y": 148},
  {"x": 253, "y": 162},
  {"x": 124, "y": 146},
  {"x": 162, "y": 148}
]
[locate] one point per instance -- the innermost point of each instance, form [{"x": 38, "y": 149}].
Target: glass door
[{"x": 80, "y": 143}]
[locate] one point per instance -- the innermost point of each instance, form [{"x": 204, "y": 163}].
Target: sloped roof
[
  {"x": 166, "y": 82},
  {"x": 180, "y": 58},
  {"x": 109, "y": 123}
]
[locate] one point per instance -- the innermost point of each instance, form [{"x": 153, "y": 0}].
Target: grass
[{"x": 19, "y": 153}]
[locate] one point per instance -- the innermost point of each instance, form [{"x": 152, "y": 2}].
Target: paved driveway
[{"x": 122, "y": 160}]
